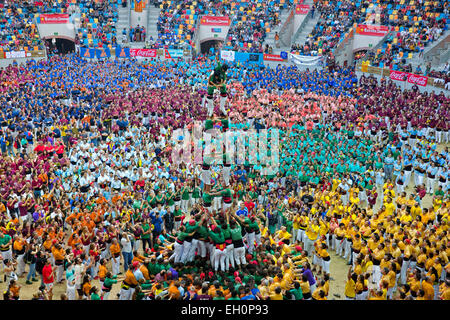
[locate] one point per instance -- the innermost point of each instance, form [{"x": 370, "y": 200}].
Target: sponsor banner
[
  {"x": 302, "y": 9},
  {"x": 366, "y": 30},
  {"x": 227, "y": 55},
  {"x": 122, "y": 52},
  {"x": 304, "y": 60},
  {"x": 273, "y": 57},
  {"x": 15, "y": 54},
  {"x": 398, "y": 75},
  {"x": 215, "y": 21},
  {"x": 102, "y": 53},
  {"x": 173, "y": 53},
  {"x": 54, "y": 18},
  {"x": 410, "y": 77},
  {"x": 87, "y": 53},
  {"x": 417, "y": 79},
  {"x": 143, "y": 53}
]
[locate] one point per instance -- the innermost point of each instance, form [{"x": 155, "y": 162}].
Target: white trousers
[
  {"x": 250, "y": 237},
  {"x": 239, "y": 256},
  {"x": 229, "y": 256},
  {"x": 115, "y": 265},
  {"x": 219, "y": 259}
]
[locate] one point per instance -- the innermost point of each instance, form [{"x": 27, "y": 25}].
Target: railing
[
  {"x": 386, "y": 72},
  {"x": 429, "y": 55},
  {"x": 301, "y": 27},
  {"x": 286, "y": 29}
]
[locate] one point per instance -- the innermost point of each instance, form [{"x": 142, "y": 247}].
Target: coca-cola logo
[
  {"x": 400, "y": 76},
  {"x": 149, "y": 53},
  {"x": 420, "y": 80}
]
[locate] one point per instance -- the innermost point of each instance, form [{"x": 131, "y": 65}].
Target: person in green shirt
[
  {"x": 217, "y": 80},
  {"x": 177, "y": 215},
  {"x": 185, "y": 196},
  {"x": 195, "y": 194},
  {"x": 94, "y": 293},
  {"x": 217, "y": 236},
  {"x": 146, "y": 234},
  {"x": 5, "y": 246},
  {"x": 296, "y": 291},
  {"x": 107, "y": 284},
  {"x": 236, "y": 236}
]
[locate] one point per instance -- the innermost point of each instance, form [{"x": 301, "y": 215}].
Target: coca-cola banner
[
  {"x": 411, "y": 78},
  {"x": 366, "y": 30},
  {"x": 417, "y": 79},
  {"x": 144, "y": 53},
  {"x": 215, "y": 21},
  {"x": 53, "y": 18},
  {"x": 302, "y": 9}
]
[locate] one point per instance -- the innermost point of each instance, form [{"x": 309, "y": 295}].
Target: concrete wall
[
  {"x": 206, "y": 33},
  {"x": 66, "y": 31},
  {"x": 364, "y": 41},
  {"x": 298, "y": 19},
  {"x": 139, "y": 18}
]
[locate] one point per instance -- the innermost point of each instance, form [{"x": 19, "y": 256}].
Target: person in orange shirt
[
  {"x": 19, "y": 246},
  {"x": 174, "y": 293},
  {"x": 115, "y": 253},
  {"x": 58, "y": 256}
]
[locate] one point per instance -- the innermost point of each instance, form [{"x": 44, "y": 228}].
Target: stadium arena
[{"x": 224, "y": 150}]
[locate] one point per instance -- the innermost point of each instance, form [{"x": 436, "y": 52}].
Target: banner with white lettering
[
  {"x": 227, "y": 55},
  {"x": 15, "y": 54},
  {"x": 304, "y": 60}
]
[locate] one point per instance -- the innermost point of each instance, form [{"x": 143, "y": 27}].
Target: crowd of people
[
  {"x": 414, "y": 25},
  {"x": 93, "y": 202}
]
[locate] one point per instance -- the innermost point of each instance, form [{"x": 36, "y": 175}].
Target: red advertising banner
[
  {"x": 411, "y": 78},
  {"x": 215, "y": 21},
  {"x": 302, "y": 9},
  {"x": 272, "y": 57},
  {"x": 146, "y": 53},
  {"x": 377, "y": 31},
  {"x": 417, "y": 79},
  {"x": 54, "y": 18}
]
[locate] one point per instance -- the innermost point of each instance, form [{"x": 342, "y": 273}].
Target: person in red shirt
[
  {"x": 249, "y": 204},
  {"x": 48, "y": 277}
]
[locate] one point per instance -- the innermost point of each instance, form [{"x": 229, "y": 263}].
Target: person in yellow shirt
[
  {"x": 390, "y": 207},
  {"x": 377, "y": 256},
  {"x": 296, "y": 227},
  {"x": 325, "y": 258},
  {"x": 283, "y": 235},
  {"x": 276, "y": 294},
  {"x": 416, "y": 210},
  {"x": 444, "y": 290},
  {"x": 312, "y": 233},
  {"x": 303, "y": 224},
  {"x": 427, "y": 287},
  {"x": 306, "y": 289},
  {"x": 350, "y": 285}
]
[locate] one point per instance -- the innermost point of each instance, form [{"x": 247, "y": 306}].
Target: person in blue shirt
[
  {"x": 157, "y": 223},
  {"x": 243, "y": 211}
]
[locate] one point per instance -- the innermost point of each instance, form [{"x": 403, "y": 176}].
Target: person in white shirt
[{"x": 127, "y": 250}]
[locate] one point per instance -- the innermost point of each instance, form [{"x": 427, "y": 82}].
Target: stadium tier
[{"x": 136, "y": 173}]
